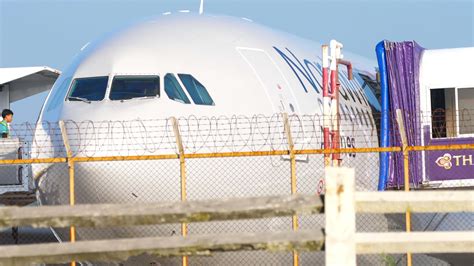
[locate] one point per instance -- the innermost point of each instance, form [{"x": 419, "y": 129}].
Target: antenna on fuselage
[{"x": 201, "y": 7}]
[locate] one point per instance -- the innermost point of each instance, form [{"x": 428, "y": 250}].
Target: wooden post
[
  {"x": 291, "y": 148},
  {"x": 340, "y": 216},
  {"x": 72, "y": 192},
  {"x": 182, "y": 168},
  {"x": 403, "y": 135}
]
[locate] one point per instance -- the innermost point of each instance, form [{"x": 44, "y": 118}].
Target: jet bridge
[{"x": 434, "y": 88}]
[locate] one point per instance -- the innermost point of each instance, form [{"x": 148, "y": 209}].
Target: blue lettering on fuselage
[
  {"x": 349, "y": 91},
  {"x": 307, "y": 71}
]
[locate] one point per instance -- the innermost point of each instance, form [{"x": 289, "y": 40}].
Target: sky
[{"x": 51, "y": 32}]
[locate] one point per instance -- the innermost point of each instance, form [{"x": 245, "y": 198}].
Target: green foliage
[{"x": 388, "y": 260}]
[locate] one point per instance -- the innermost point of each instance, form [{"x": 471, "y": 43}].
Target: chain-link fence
[{"x": 193, "y": 158}]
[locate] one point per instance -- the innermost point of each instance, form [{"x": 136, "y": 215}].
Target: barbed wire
[{"x": 231, "y": 134}]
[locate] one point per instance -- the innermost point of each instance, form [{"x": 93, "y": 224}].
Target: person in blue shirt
[{"x": 7, "y": 116}]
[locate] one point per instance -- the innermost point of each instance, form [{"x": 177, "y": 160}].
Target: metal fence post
[
  {"x": 403, "y": 135},
  {"x": 182, "y": 168},
  {"x": 72, "y": 192},
  {"x": 291, "y": 151},
  {"x": 326, "y": 106},
  {"x": 339, "y": 208}
]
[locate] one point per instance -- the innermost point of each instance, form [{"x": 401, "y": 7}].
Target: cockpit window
[
  {"x": 174, "y": 90},
  {"x": 130, "y": 87},
  {"x": 88, "y": 89},
  {"x": 196, "y": 90}
]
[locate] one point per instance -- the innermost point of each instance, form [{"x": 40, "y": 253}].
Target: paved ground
[{"x": 27, "y": 235}]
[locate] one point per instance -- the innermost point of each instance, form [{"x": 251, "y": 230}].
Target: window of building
[
  {"x": 132, "y": 87},
  {"x": 88, "y": 89},
  {"x": 174, "y": 90},
  {"x": 466, "y": 110},
  {"x": 443, "y": 112},
  {"x": 196, "y": 90},
  {"x": 452, "y": 112}
]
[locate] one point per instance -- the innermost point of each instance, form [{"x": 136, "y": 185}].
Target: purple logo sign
[{"x": 445, "y": 161}]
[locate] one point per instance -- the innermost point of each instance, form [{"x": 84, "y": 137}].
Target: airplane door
[
  {"x": 275, "y": 84},
  {"x": 272, "y": 80}
]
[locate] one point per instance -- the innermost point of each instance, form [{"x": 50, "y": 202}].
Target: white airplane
[{"x": 183, "y": 64}]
